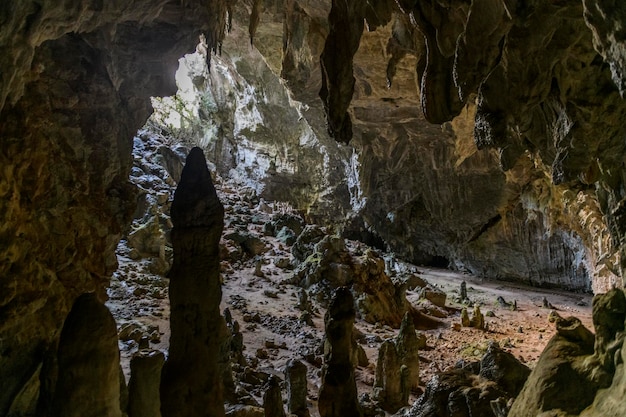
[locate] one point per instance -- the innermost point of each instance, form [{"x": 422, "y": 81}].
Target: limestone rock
[
  {"x": 559, "y": 381},
  {"x": 143, "y": 387},
  {"x": 408, "y": 345},
  {"x": 88, "y": 359},
  {"x": 81, "y": 76},
  {"x": 397, "y": 369},
  {"x": 338, "y": 394},
  {"x": 504, "y": 369},
  {"x": 434, "y": 295},
  {"x": 272, "y": 399},
  {"x": 303, "y": 247},
  {"x": 476, "y": 389},
  {"x": 295, "y": 376},
  {"x": 389, "y": 389},
  {"x": 609, "y": 312},
  {"x": 465, "y": 320},
  {"x": 191, "y": 383},
  {"x": 478, "y": 320}
]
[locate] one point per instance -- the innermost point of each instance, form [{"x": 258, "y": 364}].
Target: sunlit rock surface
[{"x": 434, "y": 193}]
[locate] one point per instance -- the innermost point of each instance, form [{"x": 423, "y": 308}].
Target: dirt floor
[{"x": 257, "y": 294}]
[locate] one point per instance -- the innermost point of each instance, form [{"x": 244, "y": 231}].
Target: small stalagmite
[
  {"x": 88, "y": 363},
  {"x": 338, "y": 394},
  {"x": 407, "y": 345},
  {"x": 397, "y": 369},
  {"x": 388, "y": 383},
  {"x": 273, "y": 400},
  {"x": 295, "y": 376},
  {"x": 143, "y": 387},
  {"x": 478, "y": 319},
  {"x": 191, "y": 383}
]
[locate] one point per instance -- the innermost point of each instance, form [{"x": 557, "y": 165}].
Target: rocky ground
[{"x": 278, "y": 273}]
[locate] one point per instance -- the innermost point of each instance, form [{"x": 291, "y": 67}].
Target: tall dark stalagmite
[
  {"x": 338, "y": 394},
  {"x": 191, "y": 383}
]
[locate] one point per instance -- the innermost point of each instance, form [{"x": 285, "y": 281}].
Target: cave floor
[{"x": 265, "y": 306}]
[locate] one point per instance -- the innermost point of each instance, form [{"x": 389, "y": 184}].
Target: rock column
[
  {"x": 191, "y": 384},
  {"x": 273, "y": 400},
  {"x": 338, "y": 394},
  {"x": 295, "y": 375},
  {"x": 89, "y": 363},
  {"x": 407, "y": 346},
  {"x": 388, "y": 383},
  {"x": 143, "y": 388}
]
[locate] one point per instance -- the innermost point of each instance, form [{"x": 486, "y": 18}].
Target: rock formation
[
  {"x": 408, "y": 345},
  {"x": 526, "y": 185},
  {"x": 560, "y": 381},
  {"x": 389, "y": 389},
  {"x": 454, "y": 205},
  {"x": 192, "y": 384},
  {"x": 272, "y": 399},
  {"x": 295, "y": 376},
  {"x": 397, "y": 368},
  {"x": 338, "y": 394},
  {"x": 470, "y": 389},
  {"x": 143, "y": 387},
  {"x": 88, "y": 363},
  {"x": 75, "y": 86},
  {"x": 325, "y": 263}
]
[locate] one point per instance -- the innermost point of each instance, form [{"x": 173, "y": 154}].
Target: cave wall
[
  {"x": 451, "y": 193},
  {"x": 76, "y": 81}
]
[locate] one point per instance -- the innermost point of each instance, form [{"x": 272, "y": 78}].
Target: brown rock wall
[{"x": 75, "y": 86}]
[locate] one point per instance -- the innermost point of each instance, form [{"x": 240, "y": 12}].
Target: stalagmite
[
  {"x": 273, "y": 400},
  {"x": 338, "y": 394},
  {"x": 191, "y": 383},
  {"x": 388, "y": 383},
  {"x": 397, "y": 370},
  {"x": 478, "y": 319},
  {"x": 407, "y": 345},
  {"x": 295, "y": 376},
  {"x": 88, "y": 359},
  {"x": 143, "y": 388}
]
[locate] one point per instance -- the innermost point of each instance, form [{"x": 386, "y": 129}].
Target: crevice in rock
[{"x": 485, "y": 227}]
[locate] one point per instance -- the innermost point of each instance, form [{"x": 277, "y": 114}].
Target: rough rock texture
[
  {"x": 390, "y": 390},
  {"x": 143, "y": 387},
  {"x": 436, "y": 194},
  {"x": 295, "y": 376},
  {"x": 408, "y": 345},
  {"x": 272, "y": 399},
  {"x": 338, "y": 394},
  {"x": 191, "y": 384},
  {"x": 88, "y": 363},
  {"x": 326, "y": 264},
  {"x": 470, "y": 389},
  {"x": 75, "y": 82},
  {"x": 560, "y": 381}
]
